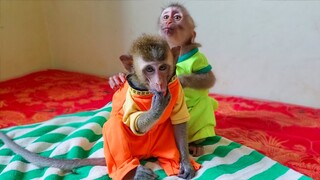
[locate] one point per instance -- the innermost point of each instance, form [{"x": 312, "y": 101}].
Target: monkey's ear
[
  {"x": 127, "y": 62},
  {"x": 194, "y": 34},
  {"x": 176, "y": 53}
]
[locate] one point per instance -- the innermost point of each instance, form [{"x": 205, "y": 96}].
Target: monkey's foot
[
  {"x": 195, "y": 149},
  {"x": 145, "y": 173}
]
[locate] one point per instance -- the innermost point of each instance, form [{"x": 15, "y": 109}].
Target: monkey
[
  {"x": 178, "y": 28},
  {"x": 149, "y": 115},
  {"x": 148, "y": 119}
]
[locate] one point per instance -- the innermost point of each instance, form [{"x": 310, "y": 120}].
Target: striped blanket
[{"x": 79, "y": 136}]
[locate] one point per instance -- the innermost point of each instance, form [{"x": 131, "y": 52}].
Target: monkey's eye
[
  {"x": 149, "y": 69},
  {"x": 163, "y": 67},
  {"x": 177, "y": 17},
  {"x": 165, "y": 17}
]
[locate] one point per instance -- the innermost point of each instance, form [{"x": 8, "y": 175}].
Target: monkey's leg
[
  {"x": 165, "y": 149},
  {"x": 123, "y": 150},
  {"x": 201, "y": 124}
]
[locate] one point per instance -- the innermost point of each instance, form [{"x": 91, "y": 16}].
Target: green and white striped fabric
[{"x": 79, "y": 136}]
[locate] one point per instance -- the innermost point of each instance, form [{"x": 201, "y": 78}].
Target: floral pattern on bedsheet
[
  {"x": 289, "y": 134},
  {"x": 43, "y": 95}
]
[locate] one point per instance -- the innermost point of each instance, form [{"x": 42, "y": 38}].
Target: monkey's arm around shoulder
[{"x": 198, "y": 81}]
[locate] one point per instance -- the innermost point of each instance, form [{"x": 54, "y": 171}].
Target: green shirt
[
  {"x": 200, "y": 105},
  {"x": 193, "y": 62}
]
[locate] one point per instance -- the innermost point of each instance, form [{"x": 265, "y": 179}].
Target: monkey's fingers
[
  {"x": 157, "y": 96},
  {"x": 184, "y": 175},
  {"x": 122, "y": 77},
  {"x": 186, "y": 171},
  {"x": 187, "y": 175},
  {"x": 111, "y": 83},
  {"x": 155, "y": 92},
  {"x": 117, "y": 80}
]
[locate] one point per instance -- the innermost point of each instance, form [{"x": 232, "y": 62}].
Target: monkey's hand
[
  {"x": 159, "y": 102},
  {"x": 149, "y": 118},
  {"x": 186, "y": 169}
]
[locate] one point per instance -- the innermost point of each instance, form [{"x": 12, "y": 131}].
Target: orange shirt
[{"x": 139, "y": 101}]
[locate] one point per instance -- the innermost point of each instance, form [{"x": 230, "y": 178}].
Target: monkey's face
[
  {"x": 176, "y": 26},
  {"x": 155, "y": 75}
]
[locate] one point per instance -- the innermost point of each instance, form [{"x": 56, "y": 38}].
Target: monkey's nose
[
  {"x": 169, "y": 21},
  {"x": 161, "y": 88}
]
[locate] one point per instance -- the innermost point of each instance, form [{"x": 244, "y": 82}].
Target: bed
[{"x": 60, "y": 113}]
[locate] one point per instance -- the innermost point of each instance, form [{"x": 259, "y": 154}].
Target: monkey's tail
[{"x": 41, "y": 161}]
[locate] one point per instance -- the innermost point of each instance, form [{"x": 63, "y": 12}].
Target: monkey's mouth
[{"x": 168, "y": 30}]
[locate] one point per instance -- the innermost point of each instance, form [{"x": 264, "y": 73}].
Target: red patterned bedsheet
[
  {"x": 289, "y": 134},
  {"x": 42, "y": 95}
]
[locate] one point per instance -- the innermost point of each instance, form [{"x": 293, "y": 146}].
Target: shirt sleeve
[
  {"x": 201, "y": 65},
  {"x": 131, "y": 114}
]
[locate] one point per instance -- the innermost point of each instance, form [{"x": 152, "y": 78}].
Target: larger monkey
[
  {"x": 178, "y": 28},
  {"x": 148, "y": 119}
]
